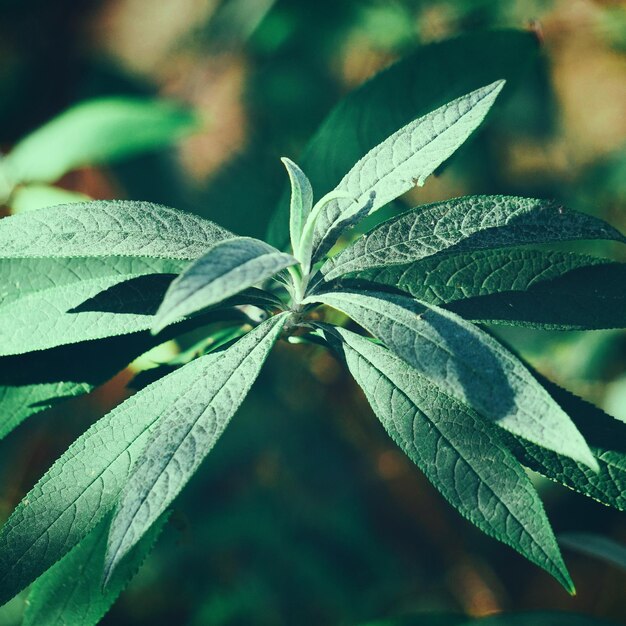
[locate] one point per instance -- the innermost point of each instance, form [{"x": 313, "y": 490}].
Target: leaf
[
  {"x": 605, "y": 435},
  {"x": 548, "y": 618},
  {"x": 518, "y": 287},
  {"x": 404, "y": 159},
  {"x": 301, "y": 201},
  {"x": 595, "y": 545},
  {"x": 460, "y": 453},
  {"x": 227, "y": 268},
  {"x": 33, "y": 197},
  {"x": 186, "y": 433},
  {"x": 94, "y": 132},
  {"x": 467, "y": 364},
  {"x": 83, "y": 309},
  {"x": 108, "y": 228},
  {"x": 464, "y": 225},
  {"x": 422, "y": 81},
  {"x": 85, "y": 482},
  {"x": 70, "y": 592}
]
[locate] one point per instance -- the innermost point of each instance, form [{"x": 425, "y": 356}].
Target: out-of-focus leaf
[
  {"x": 226, "y": 269},
  {"x": 403, "y": 160},
  {"x": 186, "y": 432},
  {"x": 95, "y": 132},
  {"x": 467, "y": 224},
  {"x": 592, "y": 544},
  {"x": 108, "y": 228},
  {"x": 458, "y": 451},
  {"x": 417, "y": 84},
  {"x": 505, "y": 619},
  {"x": 33, "y": 197},
  {"x": 70, "y": 592},
  {"x": 518, "y": 287},
  {"x": 467, "y": 364}
]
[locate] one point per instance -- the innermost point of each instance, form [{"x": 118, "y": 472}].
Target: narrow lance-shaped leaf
[
  {"x": 85, "y": 482},
  {"x": 227, "y": 268},
  {"x": 460, "y": 453},
  {"x": 108, "y": 228},
  {"x": 417, "y": 84},
  {"x": 301, "y": 201},
  {"x": 463, "y": 225},
  {"x": 518, "y": 287},
  {"x": 467, "y": 364},
  {"x": 186, "y": 433},
  {"x": 405, "y": 159},
  {"x": 70, "y": 592},
  {"x": 94, "y": 132}
]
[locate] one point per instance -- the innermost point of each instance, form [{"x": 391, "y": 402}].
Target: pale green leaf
[
  {"x": 227, "y": 268},
  {"x": 108, "y": 228},
  {"x": 70, "y": 592},
  {"x": 85, "y": 482},
  {"x": 186, "y": 433},
  {"x": 463, "y": 225},
  {"x": 427, "y": 78},
  {"x": 33, "y": 197},
  {"x": 301, "y": 201},
  {"x": 403, "y": 160},
  {"x": 468, "y": 364},
  {"x": 518, "y": 287},
  {"x": 458, "y": 451},
  {"x": 95, "y": 132}
]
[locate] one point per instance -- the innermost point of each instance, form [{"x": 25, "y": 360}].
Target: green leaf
[
  {"x": 33, "y": 382},
  {"x": 550, "y": 618},
  {"x": 33, "y": 197},
  {"x": 460, "y": 453},
  {"x": 186, "y": 433},
  {"x": 518, "y": 287},
  {"x": 57, "y": 301},
  {"x": 419, "y": 83},
  {"x": 403, "y": 160},
  {"x": 70, "y": 592},
  {"x": 227, "y": 268},
  {"x": 301, "y": 201},
  {"x": 95, "y": 132},
  {"x": 463, "y": 225},
  {"x": 467, "y": 364},
  {"x": 606, "y": 437},
  {"x": 85, "y": 482},
  {"x": 595, "y": 545},
  {"x": 108, "y": 228}
]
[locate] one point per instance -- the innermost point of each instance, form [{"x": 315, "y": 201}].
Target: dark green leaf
[
  {"x": 70, "y": 592},
  {"x": 458, "y": 451},
  {"x": 186, "y": 432},
  {"x": 467, "y": 364},
  {"x": 466, "y": 224}
]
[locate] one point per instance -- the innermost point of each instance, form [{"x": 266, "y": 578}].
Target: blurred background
[{"x": 305, "y": 512}]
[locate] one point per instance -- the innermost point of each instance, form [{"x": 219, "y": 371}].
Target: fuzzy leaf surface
[
  {"x": 108, "y": 228},
  {"x": 459, "y": 452},
  {"x": 94, "y": 132},
  {"x": 404, "y": 159},
  {"x": 467, "y": 364},
  {"x": 517, "y": 287},
  {"x": 85, "y": 482},
  {"x": 227, "y": 268},
  {"x": 186, "y": 433},
  {"x": 464, "y": 225},
  {"x": 417, "y": 84},
  {"x": 301, "y": 201},
  {"x": 70, "y": 592}
]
